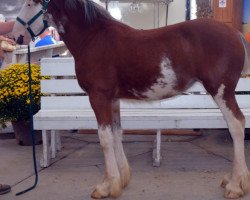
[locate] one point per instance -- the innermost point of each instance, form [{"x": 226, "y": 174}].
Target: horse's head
[{"x": 30, "y": 21}]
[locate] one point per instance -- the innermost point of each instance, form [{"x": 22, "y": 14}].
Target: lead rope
[{"x": 31, "y": 129}]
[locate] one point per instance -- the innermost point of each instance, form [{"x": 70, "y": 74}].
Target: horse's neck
[{"x": 78, "y": 37}]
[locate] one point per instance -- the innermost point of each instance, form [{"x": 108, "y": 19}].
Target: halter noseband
[{"x": 33, "y": 19}]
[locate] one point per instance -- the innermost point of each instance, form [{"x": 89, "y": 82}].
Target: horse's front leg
[
  {"x": 111, "y": 185},
  {"x": 121, "y": 159}
]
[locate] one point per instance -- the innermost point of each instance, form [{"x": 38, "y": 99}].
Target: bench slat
[
  {"x": 69, "y": 86},
  {"x": 243, "y": 85},
  {"x": 58, "y": 67},
  {"x": 88, "y": 112},
  {"x": 136, "y": 119},
  {"x": 183, "y": 101},
  {"x": 61, "y": 86}
]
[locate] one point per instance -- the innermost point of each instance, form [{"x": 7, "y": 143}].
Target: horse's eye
[{"x": 29, "y": 5}]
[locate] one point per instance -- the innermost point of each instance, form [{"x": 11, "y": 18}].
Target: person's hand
[{"x": 10, "y": 41}]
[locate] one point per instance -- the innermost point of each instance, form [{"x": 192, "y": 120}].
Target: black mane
[{"x": 90, "y": 9}]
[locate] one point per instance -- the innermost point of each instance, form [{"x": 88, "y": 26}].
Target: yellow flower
[{"x": 14, "y": 91}]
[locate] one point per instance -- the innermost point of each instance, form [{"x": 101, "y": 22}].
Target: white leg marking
[
  {"x": 236, "y": 129},
  {"x": 107, "y": 143},
  {"x": 240, "y": 177},
  {"x": 111, "y": 185},
  {"x": 121, "y": 159}
]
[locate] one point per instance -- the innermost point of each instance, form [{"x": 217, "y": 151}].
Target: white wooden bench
[{"x": 66, "y": 107}]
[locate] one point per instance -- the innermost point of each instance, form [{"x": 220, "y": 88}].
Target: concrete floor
[{"x": 191, "y": 169}]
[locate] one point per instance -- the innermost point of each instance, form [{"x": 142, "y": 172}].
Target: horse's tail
[{"x": 246, "y": 68}]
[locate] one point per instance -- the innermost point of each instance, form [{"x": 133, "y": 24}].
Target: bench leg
[
  {"x": 46, "y": 156},
  {"x": 58, "y": 141},
  {"x": 53, "y": 143},
  {"x": 157, "y": 150}
]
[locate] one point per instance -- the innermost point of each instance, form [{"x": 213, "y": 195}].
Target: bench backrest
[
  {"x": 63, "y": 92},
  {"x": 21, "y": 55}
]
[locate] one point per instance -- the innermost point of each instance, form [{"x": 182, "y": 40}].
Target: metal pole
[{"x": 187, "y": 9}]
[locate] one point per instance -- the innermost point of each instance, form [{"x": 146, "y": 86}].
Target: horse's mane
[{"x": 90, "y": 9}]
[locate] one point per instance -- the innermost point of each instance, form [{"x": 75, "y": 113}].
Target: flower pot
[{"x": 22, "y": 133}]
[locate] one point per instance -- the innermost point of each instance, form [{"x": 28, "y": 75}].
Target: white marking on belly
[{"x": 164, "y": 85}]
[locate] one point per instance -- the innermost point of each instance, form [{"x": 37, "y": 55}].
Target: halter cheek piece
[{"x": 33, "y": 19}]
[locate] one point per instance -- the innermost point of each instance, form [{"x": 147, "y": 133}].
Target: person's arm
[{"x": 6, "y": 27}]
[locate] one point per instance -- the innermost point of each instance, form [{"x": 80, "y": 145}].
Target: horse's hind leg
[
  {"x": 121, "y": 159},
  {"x": 111, "y": 185},
  {"x": 237, "y": 183}
]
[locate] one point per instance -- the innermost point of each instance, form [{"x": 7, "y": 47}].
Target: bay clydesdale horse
[{"x": 114, "y": 61}]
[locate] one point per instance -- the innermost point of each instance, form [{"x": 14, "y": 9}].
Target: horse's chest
[{"x": 164, "y": 85}]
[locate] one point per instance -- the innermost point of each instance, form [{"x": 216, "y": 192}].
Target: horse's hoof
[
  {"x": 101, "y": 191},
  {"x": 226, "y": 180},
  {"x": 96, "y": 195},
  {"x": 232, "y": 194},
  {"x": 109, "y": 188},
  {"x": 233, "y": 191},
  {"x": 245, "y": 182},
  {"x": 125, "y": 176},
  {"x": 115, "y": 187}
]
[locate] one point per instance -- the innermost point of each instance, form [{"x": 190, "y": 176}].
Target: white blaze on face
[{"x": 164, "y": 85}]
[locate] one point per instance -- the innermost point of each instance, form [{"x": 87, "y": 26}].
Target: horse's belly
[{"x": 159, "y": 91}]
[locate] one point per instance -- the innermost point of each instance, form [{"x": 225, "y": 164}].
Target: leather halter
[{"x": 33, "y": 19}]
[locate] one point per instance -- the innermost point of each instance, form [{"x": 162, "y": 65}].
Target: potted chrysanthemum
[{"x": 14, "y": 99}]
